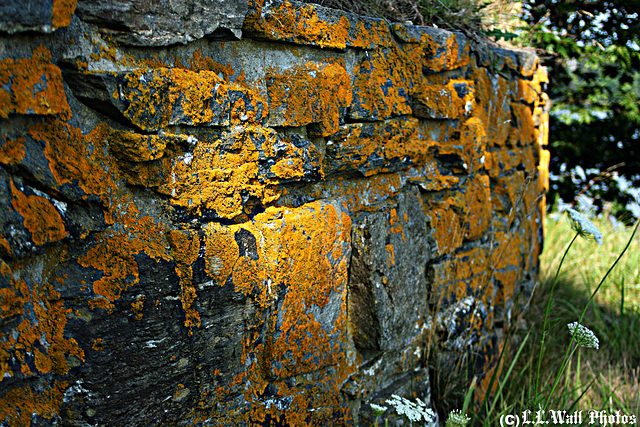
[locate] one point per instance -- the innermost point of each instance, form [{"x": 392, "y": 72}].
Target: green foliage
[{"x": 592, "y": 50}]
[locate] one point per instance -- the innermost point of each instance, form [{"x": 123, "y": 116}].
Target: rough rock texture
[
  {"x": 274, "y": 230},
  {"x": 165, "y": 22}
]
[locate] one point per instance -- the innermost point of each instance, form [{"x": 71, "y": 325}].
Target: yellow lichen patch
[
  {"x": 37, "y": 340},
  {"x": 461, "y": 275},
  {"x": 374, "y": 148},
  {"x": 447, "y": 227},
  {"x": 18, "y": 405},
  {"x": 62, "y": 12},
  {"x": 200, "y": 62},
  {"x": 508, "y": 250},
  {"x": 499, "y": 162},
  {"x": 32, "y": 86},
  {"x": 298, "y": 257},
  {"x": 527, "y": 91},
  {"x": 391, "y": 258},
  {"x": 137, "y": 306},
  {"x": 160, "y": 97},
  {"x": 523, "y": 131},
  {"x": 40, "y": 217},
  {"x": 12, "y": 300},
  {"x": 220, "y": 173},
  {"x": 507, "y": 193},
  {"x": 448, "y": 57},
  {"x": 477, "y": 207},
  {"x": 326, "y": 89},
  {"x": 384, "y": 81},
  {"x": 368, "y": 34},
  {"x": 469, "y": 147},
  {"x": 74, "y": 158},
  {"x": 222, "y": 252},
  {"x": 453, "y": 100},
  {"x": 492, "y": 105},
  {"x": 395, "y": 224},
  {"x": 543, "y": 171},
  {"x": 137, "y": 147},
  {"x": 12, "y": 152},
  {"x": 299, "y": 24},
  {"x": 113, "y": 255},
  {"x": 185, "y": 248}
]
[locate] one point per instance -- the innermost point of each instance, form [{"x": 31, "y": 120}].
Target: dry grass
[{"x": 472, "y": 17}]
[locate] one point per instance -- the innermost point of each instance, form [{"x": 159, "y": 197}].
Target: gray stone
[{"x": 165, "y": 22}]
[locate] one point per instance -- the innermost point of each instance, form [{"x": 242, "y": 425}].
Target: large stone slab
[{"x": 165, "y": 22}]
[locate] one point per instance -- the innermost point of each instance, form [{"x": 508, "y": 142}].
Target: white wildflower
[
  {"x": 583, "y": 226},
  {"x": 377, "y": 409},
  {"x": 584, "y": 337},
  {"x": 413, "y": 411},
  {"x": 457, "y": 419}
]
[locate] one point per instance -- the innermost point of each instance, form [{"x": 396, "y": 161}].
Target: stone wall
[{"x": 220, "y": 213}]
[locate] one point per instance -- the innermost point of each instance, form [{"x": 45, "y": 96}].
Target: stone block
[
  {"x": 239, "y": 172},
  {"x": 32, "y": 86},
  {"x": 301, "y": 288},
  {"x": 165, "y": 22},
  {"x": 451, "y": 101},
  {"x": 382, "y": 86},
  {"x": 315, "y": 25},
  {"x": 327, "y": 90},
  {"x": 448, "y": 50},
  {"x": 42, "y": 15},
  {"x": 374, "y": 148}
]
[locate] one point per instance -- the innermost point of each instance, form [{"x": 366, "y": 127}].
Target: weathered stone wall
[{"x": 217, "y": 213}]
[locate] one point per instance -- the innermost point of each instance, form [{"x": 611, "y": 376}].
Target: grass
[{"x": 538, "y": 372}]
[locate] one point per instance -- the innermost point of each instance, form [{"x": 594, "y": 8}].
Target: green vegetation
[
  {"x": 592, "y": 51},
  {"x": 545, "y": 368}
]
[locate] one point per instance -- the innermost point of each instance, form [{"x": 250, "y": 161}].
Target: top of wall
[{"x": 167, "y": 22}]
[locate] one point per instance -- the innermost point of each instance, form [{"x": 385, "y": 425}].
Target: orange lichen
[
  {"x": 37, "y": 340},
  {"x": 384, "y": 82},
  {"x": 308, "y": 279},
  {"x": 492, "y": 105},
  {"x": 18, "y": 405},
  {"x": 326, "y": 88},
  {"x": 137, "y": 147},
  {"x": 447, "y": 227},
  {"x": 303, "y": 25},
  {"x": 218, "y": 173},
  {"x": 34, "y": 86},
  {"x": 380, "y": 147},
  {"x": 453, "y": 100},
  {"x": 523, "y": 131},
  {"x": 74, "y": 157},
  {"x": 12, "y": 152},
  {"x": 477, "y": 207},
  {"x": 163, "y": 96},
  {"x": 62, "y": 12},
  {"x": 40, "y": 217},
  {"x": 300, "y": 24},
  {"x": 185, "y": 248},
  {"x": 137, "y": 306},
  {"x": 461, "y": 275},
  {"x": 114, "y": 252}
]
